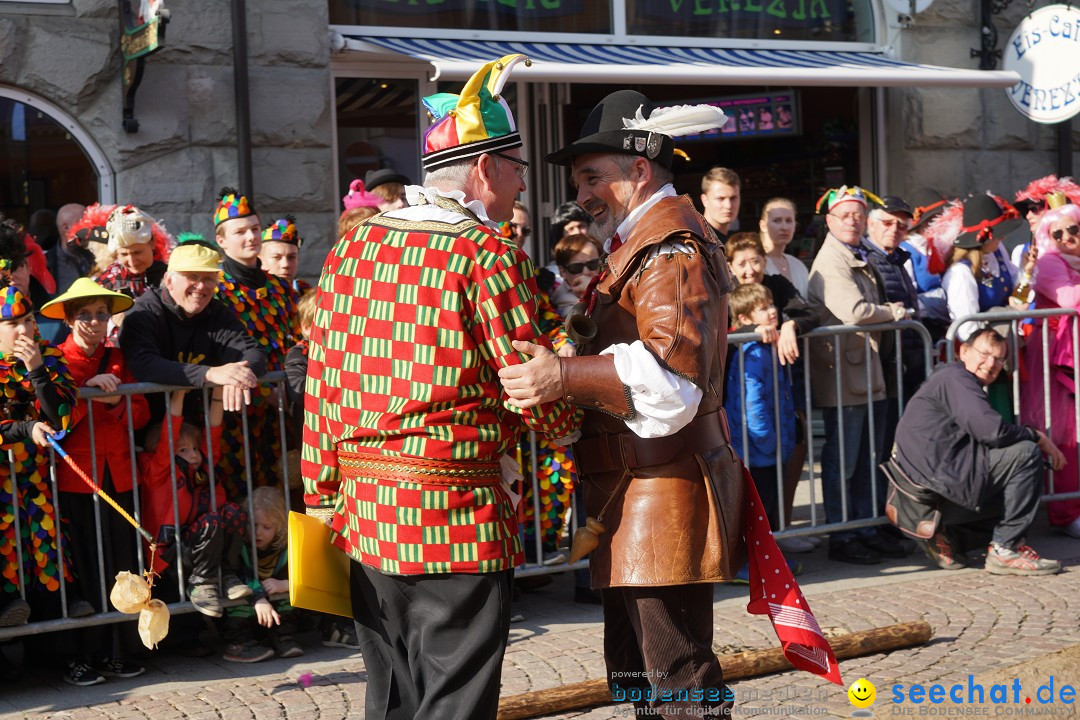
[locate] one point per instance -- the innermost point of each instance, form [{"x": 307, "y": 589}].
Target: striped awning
[{"x": 652, "y": 64}]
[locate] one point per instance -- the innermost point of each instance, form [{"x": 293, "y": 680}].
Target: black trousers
[
  {"x": 432, "y": 644},
  {"x": 658, "y": 650}
]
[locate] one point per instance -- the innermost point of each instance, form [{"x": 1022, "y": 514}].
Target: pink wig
[
  {"x": 1037, "y": 190},
  {"x": 1044, "y": 242}
]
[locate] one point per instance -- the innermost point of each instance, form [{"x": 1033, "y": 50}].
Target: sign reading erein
[{"x": 1045, "y": 51}]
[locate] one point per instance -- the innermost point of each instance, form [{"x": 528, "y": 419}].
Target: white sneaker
[
  {"x": 1072, "y": 529},
  {"x": 795, "y": 545}
]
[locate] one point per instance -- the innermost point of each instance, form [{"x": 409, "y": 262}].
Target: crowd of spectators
[{"x": 113, "y": 298}]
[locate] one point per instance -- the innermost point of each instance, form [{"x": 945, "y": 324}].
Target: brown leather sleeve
[
  {"x": 591, "y": 381},
  {"x": 679, "y": 305}
]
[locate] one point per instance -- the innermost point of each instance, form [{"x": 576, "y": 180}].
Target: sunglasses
[
  {"x": 1073, "y": 230},
  {"x": 578, "y": 268},
  {"x": 85, "y": 317}
]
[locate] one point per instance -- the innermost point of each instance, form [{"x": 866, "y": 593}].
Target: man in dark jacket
[
  {"x": 182, "y": 335},
  {"x": 952, "y": 442}
]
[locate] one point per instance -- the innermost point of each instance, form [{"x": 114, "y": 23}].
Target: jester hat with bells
[{"x": 475, "y": 122}]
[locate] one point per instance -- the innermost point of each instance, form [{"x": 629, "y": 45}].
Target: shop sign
[
  {"x": 1045, "y": 51},
  {"x": 754, "y": 116},
  {"x": 783, "y": 9}
]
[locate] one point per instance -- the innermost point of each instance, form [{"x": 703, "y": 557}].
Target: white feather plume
[{"x": 678, "y": 120}]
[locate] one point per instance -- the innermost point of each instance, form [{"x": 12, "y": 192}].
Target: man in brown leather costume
[{"x": 657, "y": 468}]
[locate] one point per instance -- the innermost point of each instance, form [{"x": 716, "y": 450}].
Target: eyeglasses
[
  {"x": 1073, "y": 230},
  {"x": 87, "y": 318},
  {"x": 850, "y": 218},
  {"x": 522, "y": 166},
  {"x": 891, "y": 223},
  {"x": 525, "y": 230},
  {"x": 997, "y": 360},
  {"x": 579, "y": 267}
]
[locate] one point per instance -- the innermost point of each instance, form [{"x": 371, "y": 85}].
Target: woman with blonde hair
[{"x": 777, "y": 226}]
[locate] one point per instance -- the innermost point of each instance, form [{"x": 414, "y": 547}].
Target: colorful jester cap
[
  {"x": 283, "y": 230},
  {"x": 231, "y": 205},
  {"x": 13, "y": 304},
  {"x": 843, "y": 194},
  {"x": 475, "y": 122}
]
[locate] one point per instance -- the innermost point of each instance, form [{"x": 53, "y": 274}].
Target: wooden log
[{"x": 592, "y": 693}]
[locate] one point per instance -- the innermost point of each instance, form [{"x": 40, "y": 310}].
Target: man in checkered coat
[{"x": 406, "y": 422}]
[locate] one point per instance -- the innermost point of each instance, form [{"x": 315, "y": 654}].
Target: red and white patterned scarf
[{"x": 774, "y": 592}]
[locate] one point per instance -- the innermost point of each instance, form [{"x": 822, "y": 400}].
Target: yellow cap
[
  {"x": 85, "y": 288},
  {"x": 194, "y": 257}
]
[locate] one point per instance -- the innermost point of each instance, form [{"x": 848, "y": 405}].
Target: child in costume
[
  {"x": 211, "y": 529},
  {"x": 86, "y": 308},
  {"x": 267, "y": 574},
  {"x": 37, "y": 397},
  {"x": 266, "y": 305},
  {"x": 140, "y": 245}
]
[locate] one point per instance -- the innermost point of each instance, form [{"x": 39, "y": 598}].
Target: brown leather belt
[{"x": 627, "y": 451}]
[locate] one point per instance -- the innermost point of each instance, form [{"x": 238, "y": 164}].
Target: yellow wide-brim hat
[{"x": 86, "y": 289}]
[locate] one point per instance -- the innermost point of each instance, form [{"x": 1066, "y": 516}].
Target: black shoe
[
  {"x": 852, "y": 551},
  {"x": 83, "y": 675},
  {"x": 118, "y": 668},
  {"x": 587, "y": 595},
  {"x": 886, "y": 546}
]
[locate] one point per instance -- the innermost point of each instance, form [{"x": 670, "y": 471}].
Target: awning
[{"x": 652, "y": 64}]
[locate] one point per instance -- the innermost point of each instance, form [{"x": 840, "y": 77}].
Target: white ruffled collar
[{"x": 413, "y": 197}]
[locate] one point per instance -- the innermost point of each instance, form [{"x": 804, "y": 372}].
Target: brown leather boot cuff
[{"x": 592, "y": 382}]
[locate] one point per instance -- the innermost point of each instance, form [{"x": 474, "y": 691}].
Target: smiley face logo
[{"x": 862, "y": 693}]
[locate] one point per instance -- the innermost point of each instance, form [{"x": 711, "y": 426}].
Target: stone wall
[
  {"x": 956, "y": 140},
  {"x": 185, "y": 149}
]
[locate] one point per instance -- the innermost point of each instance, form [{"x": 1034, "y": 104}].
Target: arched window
[{"x": 49, "y": 160}]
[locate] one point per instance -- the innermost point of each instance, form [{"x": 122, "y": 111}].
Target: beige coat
[{"x": 850, "y": 292}]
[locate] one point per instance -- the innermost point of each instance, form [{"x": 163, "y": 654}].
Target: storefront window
[
  {"x": 377, "y": 128},
  {"x": 563, "y": 16},
  {"x": 44, "y": 167},
  {"x": 819, "y": 20}
]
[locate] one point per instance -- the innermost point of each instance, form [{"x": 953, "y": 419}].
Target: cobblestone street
[{"x": 980, "y": 623}]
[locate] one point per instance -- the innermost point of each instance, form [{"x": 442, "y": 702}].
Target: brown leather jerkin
[{"x": 678, "y": 521}]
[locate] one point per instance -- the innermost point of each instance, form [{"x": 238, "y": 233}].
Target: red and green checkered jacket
[{"x": 413, "y": 321}]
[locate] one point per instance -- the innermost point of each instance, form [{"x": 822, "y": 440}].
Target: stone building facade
[
  {"x": 961, "y": 140},
  {"x": 66, "y": 53},
  {"x": 186, "y": 145}
]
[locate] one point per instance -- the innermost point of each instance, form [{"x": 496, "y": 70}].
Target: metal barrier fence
[
  {"x": 1040, "y": 320},
  {"x": 783, "y": 528},
  {"x": 87, "y": 395}
]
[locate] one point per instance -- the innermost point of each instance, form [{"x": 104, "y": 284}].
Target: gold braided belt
[{"x": 419, "y": 470}]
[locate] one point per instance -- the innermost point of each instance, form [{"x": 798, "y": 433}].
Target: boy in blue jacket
[{"x": 765, "y": 406}]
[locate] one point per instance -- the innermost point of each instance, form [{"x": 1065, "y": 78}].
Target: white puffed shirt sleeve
[
  {"x": 663, "y": 402},
  {"x": 963, "y": 296}
]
